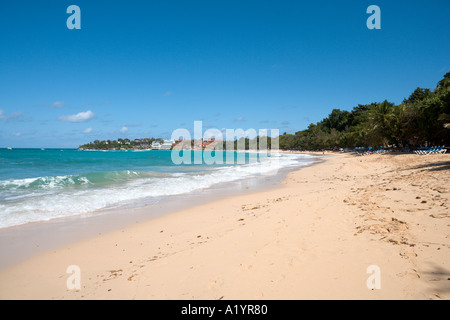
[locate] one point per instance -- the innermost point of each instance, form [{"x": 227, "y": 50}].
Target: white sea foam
[{"x": 54, "y": 198}]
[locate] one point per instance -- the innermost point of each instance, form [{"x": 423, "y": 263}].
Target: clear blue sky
[{"x": 148, "y": 67}]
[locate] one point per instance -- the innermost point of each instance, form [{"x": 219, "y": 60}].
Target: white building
[
  {"x": 167, "y": 145},
  {"x": 156, "y": 145}
]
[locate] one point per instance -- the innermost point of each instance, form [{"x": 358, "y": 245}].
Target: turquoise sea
[{"x": 39, "y": 185}]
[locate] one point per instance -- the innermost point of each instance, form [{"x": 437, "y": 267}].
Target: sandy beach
[{"x": 313, "y": 237}]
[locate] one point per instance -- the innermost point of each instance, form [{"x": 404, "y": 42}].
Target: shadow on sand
[
  {"x": 440, "y": 277},
  {"x": 435, "y": 166}
]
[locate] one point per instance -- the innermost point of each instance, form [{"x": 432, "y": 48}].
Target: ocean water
[{"x": 39, "y": 185}]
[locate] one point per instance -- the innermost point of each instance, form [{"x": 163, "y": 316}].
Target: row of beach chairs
[
  {"x": 432, "y": 150},
  {"x": 371, "y": 151}
]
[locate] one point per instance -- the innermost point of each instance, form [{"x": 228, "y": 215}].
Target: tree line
[
  {"x": 423, "y": 117},
  {"x": 120, "y": 144}
]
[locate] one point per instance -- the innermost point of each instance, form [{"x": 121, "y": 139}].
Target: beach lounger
[
  {"x": 440, "y": 150},
  {"x": 426, "y": 151},
  {"x": 420, "y": 152},
  {"x": 432, "y": 151}
]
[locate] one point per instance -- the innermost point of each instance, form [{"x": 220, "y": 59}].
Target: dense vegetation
[
  {"x": 120, "y": 144},
  {"x": 423, "y": 117}
]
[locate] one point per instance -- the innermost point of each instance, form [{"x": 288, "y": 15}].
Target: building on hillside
[
  {"x": 141, "y": 144},
  {"x": 167, "y": 145},
  {"x": 182, "y": 145},
  {"x": 156, "y": 145}
]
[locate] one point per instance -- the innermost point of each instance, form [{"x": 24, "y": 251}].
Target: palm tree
[{"x": 380, "y": 119}]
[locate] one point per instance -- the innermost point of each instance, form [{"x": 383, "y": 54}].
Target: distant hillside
[{"x": 123, "y": 144}]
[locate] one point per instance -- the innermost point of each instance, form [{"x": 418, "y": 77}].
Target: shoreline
[
  {"x": 73, "y": 190},
  {"x": 312, "y": 238},
  {"x": 21, "y": 242}
]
